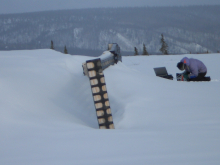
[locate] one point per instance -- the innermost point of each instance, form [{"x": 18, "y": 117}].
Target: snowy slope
[{"x": 47, "y": 115}]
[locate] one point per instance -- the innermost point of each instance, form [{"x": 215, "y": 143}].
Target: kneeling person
[{"x": 195, "y": 70}]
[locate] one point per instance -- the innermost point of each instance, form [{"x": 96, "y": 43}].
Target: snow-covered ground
[{"x": 47, "y": 114}]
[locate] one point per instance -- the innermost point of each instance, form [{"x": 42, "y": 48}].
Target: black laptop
[{"x": 162, "y": 72}]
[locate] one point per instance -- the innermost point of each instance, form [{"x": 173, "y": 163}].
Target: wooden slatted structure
[{"x": 100, "y": 95}]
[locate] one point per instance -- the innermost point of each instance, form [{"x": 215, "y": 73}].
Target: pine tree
[
  {"x": 164, "y": 46},
  {"x": 65, "y": 50},
  {"x": 51, "y": 46},
  {"x": 145, "y": 50},
  {"x": 136, "y": 51}
]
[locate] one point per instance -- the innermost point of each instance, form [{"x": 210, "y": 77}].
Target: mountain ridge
[{"x": 192, "y": 29}]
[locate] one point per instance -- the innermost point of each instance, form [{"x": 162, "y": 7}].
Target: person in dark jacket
[{"x": 195, "y": 70}]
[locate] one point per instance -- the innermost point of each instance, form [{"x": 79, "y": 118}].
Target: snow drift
[{"x": 47, "y": 114}]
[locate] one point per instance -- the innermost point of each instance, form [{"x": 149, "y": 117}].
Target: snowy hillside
[
  {"x": 47, "y": 114},
  {"x": 186, "y": 29}
]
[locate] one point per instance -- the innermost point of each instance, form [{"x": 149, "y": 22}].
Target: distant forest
[{"x": 192, "y": 29}]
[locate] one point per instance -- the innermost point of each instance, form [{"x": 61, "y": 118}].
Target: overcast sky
[{"x": 20, "y": 6}]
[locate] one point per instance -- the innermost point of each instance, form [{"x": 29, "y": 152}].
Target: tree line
[
  {"x": 163, "y": 49},
  {"x": 52, "y": 47}
]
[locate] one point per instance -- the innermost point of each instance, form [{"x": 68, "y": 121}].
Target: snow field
[{"x": 47, "y": 115}]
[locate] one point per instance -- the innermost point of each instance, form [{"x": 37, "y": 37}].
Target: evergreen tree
[
  {"x": 51, "y": 45},
  {"x": 145, "y": 50},
  {"x": 136, "y": 51},
  {"x": 164, "y": 46},
  {"x": 65, "y": 50}
]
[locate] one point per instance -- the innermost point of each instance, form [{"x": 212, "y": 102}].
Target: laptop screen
[{"x": 161, "y": 71}]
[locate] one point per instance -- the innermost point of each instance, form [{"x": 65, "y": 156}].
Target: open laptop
[{"x": 162, "y": 72}]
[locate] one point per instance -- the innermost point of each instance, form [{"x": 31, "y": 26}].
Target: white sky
[{"x": 18, "y": 6}]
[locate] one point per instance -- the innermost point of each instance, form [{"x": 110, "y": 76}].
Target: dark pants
[{"x": 200, "y": 77}]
